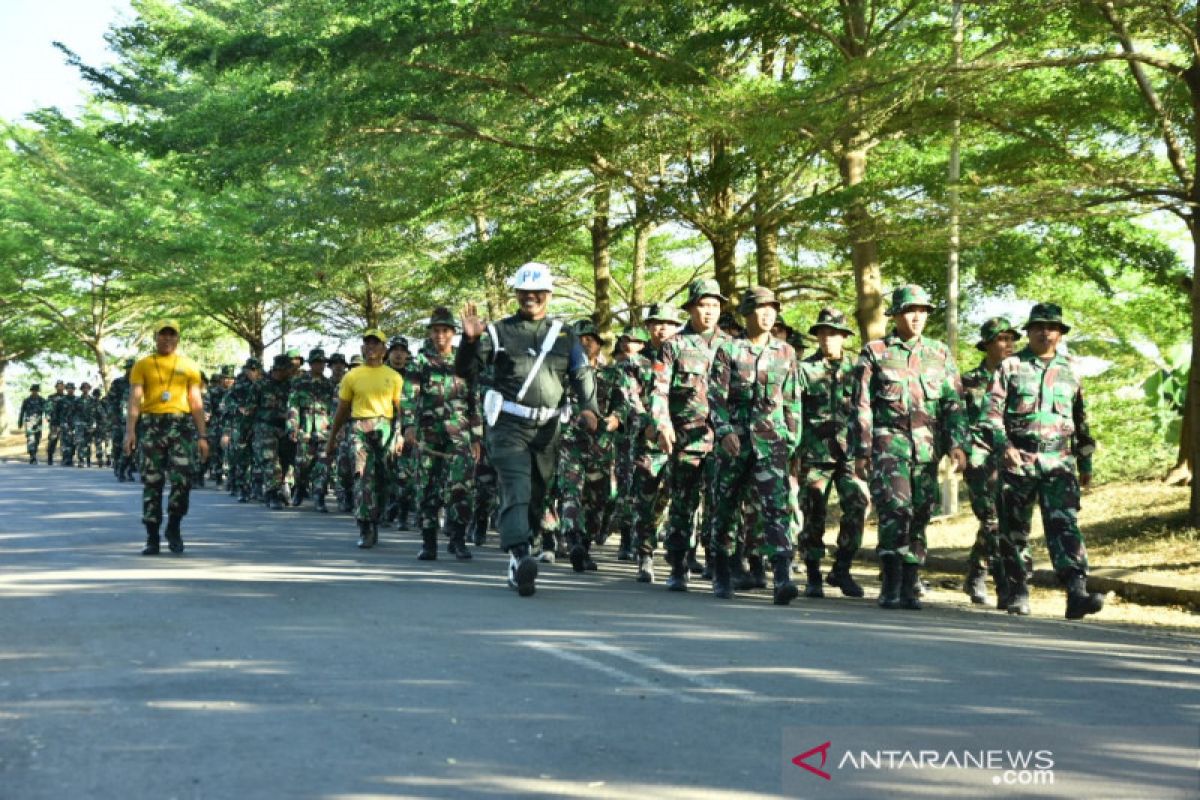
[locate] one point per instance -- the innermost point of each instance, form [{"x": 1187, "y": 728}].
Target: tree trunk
[
  {"x": 642, "y": 230},
  {"x": 4, "y": 397},
  {"x": 1190, "y": 435},
  {"x": 864, "y": 249},
  {"x": 601, "y": 257},
  {"x": 722, "y": 234},
  {"x": 725, "y": 261},
  {"x": 766, "y": 234}
]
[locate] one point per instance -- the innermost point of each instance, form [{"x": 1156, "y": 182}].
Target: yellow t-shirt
[
  {"x": 371, "y": 391},
  {"x": 157, "y": 374}
]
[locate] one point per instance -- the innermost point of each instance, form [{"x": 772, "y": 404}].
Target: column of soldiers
[{"x": 706, "y": 434}]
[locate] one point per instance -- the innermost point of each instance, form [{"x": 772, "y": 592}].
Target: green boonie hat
[
  {"x": 295, "y": 353},
  {"x": 129, "y": 362},
  {"x": 1050, "y": 313},
  {"x": 252, "y": 363},
  {"x": 316, "y": 354},
  {"x": 374, "y": 333},
  {"x": 993, "y": 328},
  {"x": 35, "y": 387},
  {"x": 830, "y": 317},
  {"x": 59, "y": 383},
  {"x": 585, "y": 327},
  {"x": 227, "y": 370},
  {"x": 757, "y": 296},
  {"x": 337, "y": 358},
  {"x": 356, "y": 360},
  {"x": 703, "y": 287},
  {"x": 70, "y": 385},
  {"x": 442, "y": 316},
  {"x": 906, "y": 297},
  {"x": 282, "y": 361},
  {"x": 636, "y": 333},
  {"x": 85, "y": 385},
  {"x": 661, "y": 312},
  {"x": 397, "y": 341}
]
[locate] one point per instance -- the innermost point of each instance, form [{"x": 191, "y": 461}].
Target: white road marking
[
  {"x": 599, "y": 666},
  {"x": 650, "y": 662}
]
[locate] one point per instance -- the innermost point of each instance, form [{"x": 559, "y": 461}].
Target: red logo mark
[{"x": 823, "y": 749}]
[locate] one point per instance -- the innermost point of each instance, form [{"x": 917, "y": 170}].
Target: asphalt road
[{"x": 273, "y": 659}]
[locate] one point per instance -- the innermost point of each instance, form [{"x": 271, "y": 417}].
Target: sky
[{"x": 35, "y": 73}]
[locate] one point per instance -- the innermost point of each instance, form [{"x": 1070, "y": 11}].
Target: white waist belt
[{"x": 526, "y": 412}]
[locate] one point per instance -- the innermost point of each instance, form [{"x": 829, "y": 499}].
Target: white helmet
[{"x": 532, "y": 277}]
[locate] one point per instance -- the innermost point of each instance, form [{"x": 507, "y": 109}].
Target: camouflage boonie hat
[
  {"x": 636, "y": 333},
  {"x": 337, "y": 358},
  {"x": 85, "y": 385},
  {"x": 830, "y": 317},
  {"x": 316, "y": 354},
  {"x": 393, "y": 343},
  {"x": 356, "y": 360},
  {"x": 96, "y": 392},
  {"x": 70, "y": 385},
  {"x": 906, "y": 297},
  {"x": 993, "y": 328},
  {"x": 661, "y": 312},
  {"x": 282, "y": 361},
  {"x": 757, "y": 296},
  {"x": 442, "y": 316},
  {"x": 585, "y": 327},
  {"x": 227, "y": 370},
  {"x": 252, "y": 363},
  {"x": 701, "y": 288},
  {"x": 35, "y": 387},
  {"x": 1050, "y": 313}
]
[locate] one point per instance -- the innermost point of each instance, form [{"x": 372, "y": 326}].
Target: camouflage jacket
[
  {"x": 237, "y": 409},
  {"x": 1037, "y": 405},
  {"x": 269, "y": 399},
  {"x": 754, "y": 392},
  {"x": 86, "y": 412},
  {"x": 827, "y": 392},
  {"x": 977, "y": 385},
  {"x": 308, "y": 404},
  {"x": 57, "y": 408},
  {"x": 33, "y": 409},
  {"x": 212, "y": 408},
  {"x": 116, "y": 402},
  {"x": 613, "y": 396},
  {"x": 437, "y": 401},
  {"x": 907, "y": 400},
  {"x": 679, "y": 397}
]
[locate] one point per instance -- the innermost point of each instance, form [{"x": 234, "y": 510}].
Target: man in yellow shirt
[
  {"x": 369, "y": 398},
  {"x": 164, "y": 393}
]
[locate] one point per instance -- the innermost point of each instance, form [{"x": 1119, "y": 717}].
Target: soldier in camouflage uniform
[
  {"x": 345, "y": 457},
  {"x": 215, "y": 399},
  {"x": 402, "y": 495},
  {"x": 53, "y": 419},
  {"x": 115, "y": 403},
  {"x": 996, "y": 338},
  {"x": 627, "y": 353},
  {"x": 321, "y": 470},
  {"x": 83, "y": 425},
  {"x": 1038, "y": 420},
  {"x": 908, "y": 414},
  {"x": 754, "y": 398},
  {"x": 444, "y": 431},
  {"x": 65, "y": 409},
  {"x": 369, "y": 399},
  {"x": 30, "y": 417},
  {"x": 269, "y": 400},
  {"x": 100, "y": 429},
  {"x": 237, "y": 426},
  {"x": 827, "y": 387},
  {"x": 308, "y": 425},
  {"x": 679, "y": 409},
  {"x": 487, "y": 483},
  {"x": 651, "y": 466}
]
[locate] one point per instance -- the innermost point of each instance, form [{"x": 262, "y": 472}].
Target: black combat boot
[
  {"x": 479, "y": 530},
  {"x": 457, "y": 546},
  {"x": 841, "y": 578},
  {"x": 578, "y": 556},
  {"x": 785, "y": 590},
  {"x": 624, "y": 550},
  {"x": 589, "y": 563},
  {"x": 297, "y": 497},
  {"x": 889, "y": 591},
  {"x": 428, "y": 546},
  {"x": 1003, "y": 587},
  {"x": 275, "y": 501},
  {"x": 365, "y": 535},
  {"x": 1079, "y": 602},
  {"x": 1018, "y": 596},
  {"x": 645, "y": 572},
  {"x": 909, "y": 576},
  {"x": 174, "y": 536},
  {"x": 812, "y": 584},
  {"x": 739, "y": 572},
  {"x": 758, "y": 571},
  {"x": 722, "y": 576},
  {"x": 522, "y": 570},
  {"x": 319, "y": 503},
  {"x": 693, "y": 563},
  {"x": 677, "y": 581},
  {"x": 976, "y": 585},
  {"x": 151, "y": 548}
]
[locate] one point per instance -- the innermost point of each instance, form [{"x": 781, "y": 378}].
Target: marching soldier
[
  {"x": 1037, "y": 417},
  {"x": 754, "y": 399},
  {"x": 66, "y": 409},
  {"x": 269, "y": 402},
  {"x": 626, "y": 355},
  {"x": 54, "y": 419},
  {"x": 996, "y": 338},
  {"x": 237, "y": 423},
  {"x": 402, "y": 495},
  {"x": 216, "y": 397},
  {"x": 308, "y": 425},
  {"x": 115, "y": 403},
  {"x": 30, "y": 417},
  {"x": 908, "y": 414},
  {"x": 827, "y": 386}
]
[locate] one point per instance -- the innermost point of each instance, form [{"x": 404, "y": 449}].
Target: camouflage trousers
[
  {"x": 168, "y": 451},
  {"x": 116, "y": 438},
  {"x": 344, "y": 465},
  {"x": 215, "y": 465},
  {"x": 67, "y": 440},
  {"x": 404, "y": 482},
  {"x": 239, "y": 456},
  {"x": 444, "y": 469},
  {"x": 487, "y": 494},
  {"x": 270, "y": 448},
  {"x": 622, "y": 512},
  {"x": 817, "y": 481},
  {"x": 370, "y": 440},
  {"x": 312, "y": 473},
  {"x": 688, "y": 487},
  {"x": 584, "y": 491},
  {"x": 101, "y": 444},
  {"x": 983, "y": 481},
  {"x": 52, "y": 439},
  {"x": 81, "y": 442},
  {"x": 1057, "y": 494},
  {"x": 757, "y": 478},
  {"x": 33, "y": 437},
  {"x": 905, "y": 494},
  {"x": 648, "y": 498}
]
